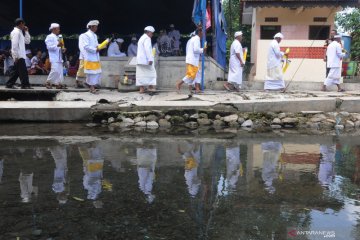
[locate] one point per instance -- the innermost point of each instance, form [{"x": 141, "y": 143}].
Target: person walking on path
[{"x": 19, "y": 37}]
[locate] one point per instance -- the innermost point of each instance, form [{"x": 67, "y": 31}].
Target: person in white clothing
[
  {"x": 175, "y": 36},
  {"x": 334, "y": 55},
  {"x": 145, "y": 68},
  {"x": 236, "y": 63},
  {"x": 18, "y": 41},
  {"x": 274, "y": 78},
  {"x": 114, "y": 49},
  {"x": 55, "y": 48},
  {"x": 80, "y": 74},
  {"x": 133, "y": 48},
  {"x": 92, "y": 67},
  {"x": 193, "y": 53}
]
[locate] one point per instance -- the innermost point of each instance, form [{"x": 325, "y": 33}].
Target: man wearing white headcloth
[
  {"x": 92, "y": 67},
  {"x": 55, "y": 49},
  {"x": 334, "y": 56},
  {"x": 193, "y": 53},
  {"x": 114, "y": 49},
  {"x": 145, "y": 68},
  {"x": 274, "y": 79},
  {"x": 236, "y": 63}
]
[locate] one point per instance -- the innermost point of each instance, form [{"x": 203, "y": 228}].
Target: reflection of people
[
  {"x": 93, "y": 163},
  {"x": 60, "y": 173},
  {"x": 232, "y": 166},
  {"x": 271, "y": 153},
  {"x": 326, "y": 170},
  {"x": 1, "y": 168},
  {"x": 146, "y": 161},
  {"x": 26, "y": 186},
  {"x": 192, "y": 159}
]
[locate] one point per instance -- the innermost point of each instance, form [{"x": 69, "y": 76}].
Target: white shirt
[
  {"x": 52, "y": 42},
  {"x": 89, "y": 43},
  {"x": 81, "y": 48},
  {"x": 235, "y": 48},
  {"x": 34, "y": 62},
  {"x": 334, "y": 55},
  {"x": 193, "y": 51},
  {"x": 274, "y": 55},
  {"x": 18, "y": 41},
  {"x": 144, "y": 55},
  {"x": 132, "y": 50},
  {"x": 114, "y": 51}
]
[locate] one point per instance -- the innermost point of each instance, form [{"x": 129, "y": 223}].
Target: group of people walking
[{"x": 90, "y": 66}]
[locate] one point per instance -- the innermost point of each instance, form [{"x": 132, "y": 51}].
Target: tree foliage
[
  {"x": 350, "y": 22},
  {"x": 232, "y": 16}
]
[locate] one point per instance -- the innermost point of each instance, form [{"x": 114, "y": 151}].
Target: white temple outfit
[
  {"x": 274, "y": 79},
  {"x": 334, "y": 56},
  {"x": 235, "y": 68},
  {"x": 80, "y": 73},
  {"x": 271, "y": 153},
  {"x": 60, "y": 173},
  {"x": 193, "y": 54},
  {"x": 92, "y": 66},
  {"x": 114, "y": 51},
  {"x": 93, "y": 163},
  {"x": 146, "y": 161},
  {"x": 145, "y": 73},
  {"x": 56, "y": 75},
  {"x": 132, "y": 50},
  {"x": 326, "y": 169}
]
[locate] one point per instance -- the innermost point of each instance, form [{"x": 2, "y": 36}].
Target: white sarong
[
  {"x": 56, "y": 75},
  {"x": 235, "y": 72},
  {"x": 93, "y": 79},
  {"x": 333, "y": 78},
  {"x": 145, "y": 75},
  {"x": 274, "y": 79}
]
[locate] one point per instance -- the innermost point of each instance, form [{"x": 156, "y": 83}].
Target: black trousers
[
  {"x": 327, "y": 71},
  {"x": 19, "y": 71}
]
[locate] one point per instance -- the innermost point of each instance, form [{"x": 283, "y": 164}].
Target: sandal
[
  {"x": 227, "y": 87},
  {"x": 341, "y": 90},
  {"x": 48, "y": 85}
]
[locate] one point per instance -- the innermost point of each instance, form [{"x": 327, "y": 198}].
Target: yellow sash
[{"x": 92, "y": 65}]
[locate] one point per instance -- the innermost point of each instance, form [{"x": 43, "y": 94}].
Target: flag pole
[
  {"x": 21, "y": 8},
  {"x": 203, "y": 8}
]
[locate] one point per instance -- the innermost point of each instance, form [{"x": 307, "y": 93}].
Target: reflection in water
[
  {"x": 215, "y": 189},
  {"x": 1, "y": 168},
  {"x": 26, "y": 186},
  {"x": 93, "y": 164},
  {"x": 191, "y": 158},
  {"x": 146, "y": 161},
  {"x": 60, "y": 184},
  {"x": 326, "y": 169},
  {"x": 271, "y": 152}
]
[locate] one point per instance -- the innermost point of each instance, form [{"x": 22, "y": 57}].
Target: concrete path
[{"x": 75, "y": 105}]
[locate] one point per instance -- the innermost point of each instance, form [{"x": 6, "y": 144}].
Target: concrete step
[{"x": 45, "y": 111}]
